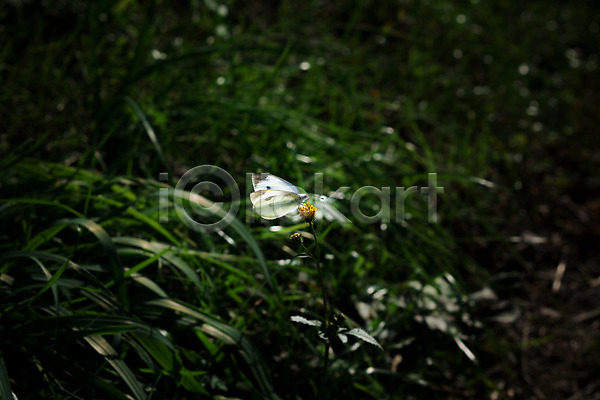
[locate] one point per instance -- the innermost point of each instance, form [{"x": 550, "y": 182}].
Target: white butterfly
[{"x": 274, "y": 197}]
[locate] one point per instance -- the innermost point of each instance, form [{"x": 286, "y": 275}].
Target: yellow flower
[
  {"x": 307, "y": 211},
  {"x": 296, "y": 237}
]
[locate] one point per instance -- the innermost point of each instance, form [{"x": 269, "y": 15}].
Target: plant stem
[
  {"x": 320, "y": 271},
  {"x": 325, "y": 365},
  {"x": 317, "y": 260}
]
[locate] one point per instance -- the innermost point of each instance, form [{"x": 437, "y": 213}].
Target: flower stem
[
  {"x": 320, "y": 271},
  {"x": 317, "y": 259},
  {"x": 325, "y": 365}
]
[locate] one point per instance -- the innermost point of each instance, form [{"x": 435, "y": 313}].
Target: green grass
[{"x": 100, "y": 299}]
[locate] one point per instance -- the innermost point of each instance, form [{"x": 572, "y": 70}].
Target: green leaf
[
  {"x": 364, "y": 336},
  {"x": 159, "y": 351},
  {"x": 149, "y": 284},
  {"x": 302, "y": 320},
  {"x": 51, "y": 281},
  {"x": 113, "y": 392},
  {"x": 189, "y": 381},
  {"x": 43, "y": 237}
]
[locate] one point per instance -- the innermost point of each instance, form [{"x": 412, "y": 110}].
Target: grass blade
[
  {"x": 227, "y": 334},
  {"x": 163, "y": 250},
  {"x": 5, "y": 392},
  {"x": 103, "y": 348},
  {"x": 149, "y": 130},
  {"x": 236, "y": 225},
  {"x": 106, "y": 242}
]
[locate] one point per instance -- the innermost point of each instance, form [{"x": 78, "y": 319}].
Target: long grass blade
[
  {"x": 235, "y": 224},
  {"x": 149, "y": 130},
  {"x": 165, "y": 254},
  {"x": 41, "y": 202},
  {"x": 227, "y": 334},
  {"x": 111, "y": 252},
  {"x": 5, "y": 391},
  {"x": 103, "y": 348}
]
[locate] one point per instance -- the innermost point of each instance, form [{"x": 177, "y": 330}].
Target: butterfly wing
[
  {"x": 265, "y": 181},
  {"x": 272, "y": 204}
]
